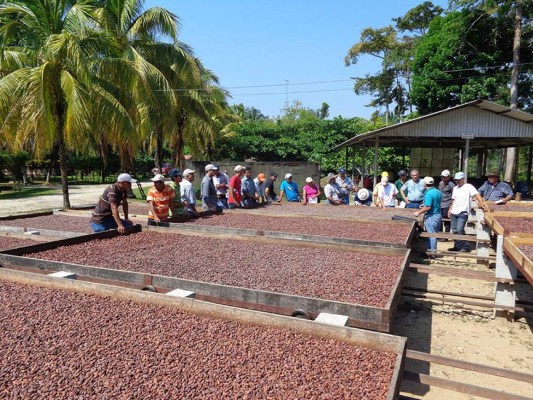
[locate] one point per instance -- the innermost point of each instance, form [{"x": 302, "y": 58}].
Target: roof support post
[
  {"x": 465, "y": 165},
  {"x": 376, "y": 147},
  {"x": 353, "y": 163},
  {"x": 363, "y": 161},
  {"x": 529, "y": 164}
]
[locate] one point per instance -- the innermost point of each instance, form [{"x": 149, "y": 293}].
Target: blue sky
[{"x": 289, "y": 44}]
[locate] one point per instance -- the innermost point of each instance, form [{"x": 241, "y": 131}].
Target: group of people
[{"x": 450, "y": 199}]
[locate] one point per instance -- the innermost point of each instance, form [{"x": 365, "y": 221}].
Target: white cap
[
  {"x": 363, "y": 194},
  {"x": 126, "y": 178},
  {"x": 238, "y": 168},
  {"x": 209, "y": 167},
  {"x": 428, "y": 180},
  {"x": 308, "y": 179},
  {"x": 188, "y": 172},
  {"x": 445, "y": 173},
  {"x": 158, "y": 177},
  {"x": 287, "y": 176},
  {"x": 459, "y": 175}
]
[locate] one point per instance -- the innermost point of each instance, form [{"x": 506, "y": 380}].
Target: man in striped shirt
[{"x": 160, "y": 199}]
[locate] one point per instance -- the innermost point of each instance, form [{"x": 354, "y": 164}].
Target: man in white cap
[
  {"x": 432, "y": 212},
  {"x": 188, "y": 197},
  {"x": 221, "y": 181},
  {"x": 446, "y": 186},
  {"x": 160, "y": 200},
  {"x": 375, "y": 191},
  {"x": 460, "y": 209},
  {"x": 289, "y": 189},
  {"x": 387, "y": 193},
  {"x": 332, "y": 190},
  {"x": 235, "y": 188},
  {"x": 105, "y": 215},
  {"x": 362, "y": 197},
  {"x": 208, "y": 191}
]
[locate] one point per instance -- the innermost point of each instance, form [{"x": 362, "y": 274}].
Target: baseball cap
[
  {"x": 385, "y": 173},
  {"x": 175, "y": 172},
  {"x": 209, "y": 167},
  {"x": 273, "y": 174},
  {"x": 342, "y": 171},
  {"x": 363, "y": 194},
  {"x": 158, "y": 178},
  {"x": 428, "y": 180},
  {"x": 238, "y": 168},
  {"x": 188, "y": 172},
  {"x": 403, "y": 172},
  {"x": 308, "y": 179},
  {"x": 261, "y": 177},
  {"x": 459, "y": 175},
  {"x": 287, "y": 176},
  {"x": 126, "y": 178},
  {"x": 445, "y": 173}
]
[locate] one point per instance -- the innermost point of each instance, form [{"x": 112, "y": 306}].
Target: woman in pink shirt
[{"x": 311, "y": 191}]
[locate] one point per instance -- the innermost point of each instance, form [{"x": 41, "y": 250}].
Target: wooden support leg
[{"x": 505, "y": 293}]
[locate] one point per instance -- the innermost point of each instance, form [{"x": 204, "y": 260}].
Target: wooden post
[
  {"x": 376, "y": 147},
  {"x": 465, "y": 162},
  {"x": 353, "y": 163},
  {"x": 363, "y": 161},
  {"x": 529, "y": 165}
]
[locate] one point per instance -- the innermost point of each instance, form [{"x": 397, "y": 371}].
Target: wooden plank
[
  {"x": 469, "y": 366},
  {"x": 494, "y": 225},
  {"x": 468, "y": 238},
  {"x": 456, "y": 272},
  {"x": 461, "y": 387},
  {"x": 519, "y": 259}
]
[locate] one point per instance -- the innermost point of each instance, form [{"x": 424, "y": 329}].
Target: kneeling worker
[
  {"x": 105, "y": 215},
  {"x": 160, "y": 199}
]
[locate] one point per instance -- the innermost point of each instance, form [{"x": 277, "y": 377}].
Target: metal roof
[{"x": 489, "y": 125}]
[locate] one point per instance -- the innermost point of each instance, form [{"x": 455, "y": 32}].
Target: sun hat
[
  {"x": 385, "y": 173},
  {"x": 288, "y": 175},
  {"x": 428, "y": 180},
  {"x": 238, "y": 168},
  {"x": 459, "y": 175},
  {"x": 261, "y": 177},
  {"x": 126, "y": 178},
  {"x": 158, "y": 178},
  {"x": 188, "y": 172},
  {"x": 445, "y": 173},
  {"x": 174, "y": 173},
  {"x": 308, "y": 179},
  {"x": 363, "y": 194},
  {"x": 492, "y": 173},
  {"x": 209, "y": 167},
  {"x": 331, "y": 176}
]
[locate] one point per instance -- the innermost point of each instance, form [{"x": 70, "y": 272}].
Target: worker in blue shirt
[
  {"x": 289, "y": 189},
  {"x": 431, "y": 209}
]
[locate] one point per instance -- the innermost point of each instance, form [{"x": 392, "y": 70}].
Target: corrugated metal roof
[{"x": 480, "y": 119}]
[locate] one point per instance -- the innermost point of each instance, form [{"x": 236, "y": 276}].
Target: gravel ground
[
  {"x": 65, "y": 345},
  {"x": 377, "y": 232},
  {"x": 53, "y": 222},
  {"x": 358, "y": 278}
]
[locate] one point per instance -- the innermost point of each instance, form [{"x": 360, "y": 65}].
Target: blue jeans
[
  {"x": 413, "y": 204},
  {"x": 458, "y": 223},
  {"x": 107, "y": 224},
  {"x": 345, "y": 198},
  {"x": 432, "y": 223}
]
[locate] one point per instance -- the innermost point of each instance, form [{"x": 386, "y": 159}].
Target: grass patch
[{"x": 27, "y": 192}]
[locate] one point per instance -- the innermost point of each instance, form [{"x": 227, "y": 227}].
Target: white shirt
[
  {"x": 387, "y": 193},
  {"x": 462, "y": 198},
  {"x": 187, "y": 192},
  {"x": 259, "y": 187},
  {"x": 217, "y": 180},
  {"x": 331, "y": 191}
]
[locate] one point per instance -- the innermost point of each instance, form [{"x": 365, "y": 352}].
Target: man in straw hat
[{"x": 332, "y": 190}]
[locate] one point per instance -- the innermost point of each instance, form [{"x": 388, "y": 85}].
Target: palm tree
[{"x": 50, "y": 53}]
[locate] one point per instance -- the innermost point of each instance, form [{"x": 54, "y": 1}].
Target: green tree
[{"x": 51, "y": 51}]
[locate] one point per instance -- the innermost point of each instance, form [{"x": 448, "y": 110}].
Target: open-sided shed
[{"x": 477, "y": 125}]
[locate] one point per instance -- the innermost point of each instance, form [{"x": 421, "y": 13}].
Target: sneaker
[{"x": 453, "y": 249}]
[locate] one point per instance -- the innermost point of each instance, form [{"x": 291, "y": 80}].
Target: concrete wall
[{"x": 299, "y": 170}]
